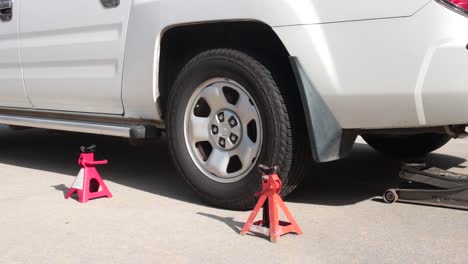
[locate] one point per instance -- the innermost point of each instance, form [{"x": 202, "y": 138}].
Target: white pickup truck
[{"x": 239, "y": 83}]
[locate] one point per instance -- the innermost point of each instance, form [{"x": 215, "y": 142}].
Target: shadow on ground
[
  {"x": 363, "y": 175},
  {"x": 148, "y": 167},
  {"x": 236, "y": 226}
]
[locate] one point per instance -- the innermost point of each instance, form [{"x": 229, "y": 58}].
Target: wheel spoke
[
  {"x": 199, "y": 128},
  {"x": 246, "y": 151},
  {"x": 214, "y": 96},
  {"x": 218, "y": 162},
  {"x": 245, "y": 109}
]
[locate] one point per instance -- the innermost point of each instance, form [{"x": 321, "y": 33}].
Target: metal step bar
[{"x": 109, "y": 129}]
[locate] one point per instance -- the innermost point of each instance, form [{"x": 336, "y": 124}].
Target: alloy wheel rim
[{"x": 223, "y": 130}]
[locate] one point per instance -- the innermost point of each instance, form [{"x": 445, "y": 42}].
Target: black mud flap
[{"x": 327, "y": 138}]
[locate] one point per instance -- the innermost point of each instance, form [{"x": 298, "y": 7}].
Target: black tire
[
  {"x": 284, "y": 140},
  {"x": 406, "y": 146}
]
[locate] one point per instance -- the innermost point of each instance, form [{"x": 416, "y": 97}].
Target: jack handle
[{"x": 96, "y": 162}]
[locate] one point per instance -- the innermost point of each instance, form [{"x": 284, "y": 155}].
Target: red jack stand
[
  {"x": 270, "y": 200},
  {"x": 88, "y": 181}
]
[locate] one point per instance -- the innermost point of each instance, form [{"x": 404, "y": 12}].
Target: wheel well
[{"x": 179, "y": 44}]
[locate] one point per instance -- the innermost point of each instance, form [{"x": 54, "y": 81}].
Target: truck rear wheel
[
  {"x": 407, "y": 146},
  {"x": 226, "y": 114}
]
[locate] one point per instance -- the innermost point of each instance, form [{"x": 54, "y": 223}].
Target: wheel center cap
[{"x": 226, "y": 129}]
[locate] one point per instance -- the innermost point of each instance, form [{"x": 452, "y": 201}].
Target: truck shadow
[
  {"x": 363, "y": 175},
  {"x": 147, "y": 168}
]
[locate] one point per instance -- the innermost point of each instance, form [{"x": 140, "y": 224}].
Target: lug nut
[
  {"x": 214, "y": 129},
  {"x": 233, "y": 138},
  {"x": 222, "y": 142},
  {"x": 232, "y": 122},
  {"x": 221, "y": 117}
]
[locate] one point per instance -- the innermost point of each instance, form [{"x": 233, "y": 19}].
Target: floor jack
[
  {"x": 422, "y": 184},
  {"x": 88, "y": 182},
  {"x": 270, "y": 200}
]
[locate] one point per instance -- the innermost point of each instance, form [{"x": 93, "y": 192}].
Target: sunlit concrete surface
[{"x": 155, "y": 218}]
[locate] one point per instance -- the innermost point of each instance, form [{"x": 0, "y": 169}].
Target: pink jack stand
[{"x": 88, "y": 182}]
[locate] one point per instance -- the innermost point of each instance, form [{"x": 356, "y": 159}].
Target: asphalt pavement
[{"x": 155, "y": 218}]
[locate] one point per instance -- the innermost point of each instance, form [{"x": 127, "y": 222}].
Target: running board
[{"x": 109, "y": 129}]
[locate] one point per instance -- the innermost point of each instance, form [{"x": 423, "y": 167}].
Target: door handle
[
  {"x": 110, "y": 3},
  {"x": 6, "y": 8}
]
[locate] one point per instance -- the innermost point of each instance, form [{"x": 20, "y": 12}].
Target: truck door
[
  {"x": 72, "y": 53},
  {"x": 12, "y": 93}
]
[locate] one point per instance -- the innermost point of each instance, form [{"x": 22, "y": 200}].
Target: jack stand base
[{"x": 422, "y": 184}]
